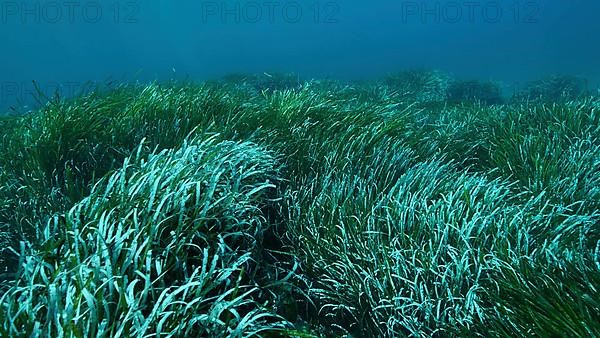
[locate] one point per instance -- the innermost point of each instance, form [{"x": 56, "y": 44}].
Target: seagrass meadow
[{"x": 411, "y": 206}]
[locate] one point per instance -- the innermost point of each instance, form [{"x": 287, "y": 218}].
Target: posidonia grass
[
  {"x": 164, "y": 246},
  {"x": 275, "y": 207}
]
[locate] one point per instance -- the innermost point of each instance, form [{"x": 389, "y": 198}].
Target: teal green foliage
[
  {"x": 423, "y": 86},
  {"x": 265, "y": 82},
  {"x": 484, "y": 92},
  {"x": 166, "y": 245},
  {"x": 261, "y": 205},
  {"x": 558, "y": 88}
]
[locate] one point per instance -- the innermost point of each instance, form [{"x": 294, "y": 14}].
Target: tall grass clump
[
  {"x": 50, "y": 159},
  {"x": 549, "y": 148},
  {"x": 306, "y": 125},
  {"x": 407, "y": 258},
  {"x": 557, "y": 88},
  {"x": 421, "y": 85},
  {"x": 473, "y": 90},
  {"x": 434, "y": 254},
  {"x": 540, "y": 301},
  {"x": 166, "y": 245}
]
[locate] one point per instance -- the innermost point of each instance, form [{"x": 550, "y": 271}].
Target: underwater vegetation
[
  {"x": 422, "y": 85},
  {"x": 555, "y": 88},
  {"x": 265, "y": 82},
  {"x": 485, "y": 92},
  {"x": 410, "y": 206}
]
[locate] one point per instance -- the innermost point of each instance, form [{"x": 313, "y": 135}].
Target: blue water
[{"x": 63, "y": 45}]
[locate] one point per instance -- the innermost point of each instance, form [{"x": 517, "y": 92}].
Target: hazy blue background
[{"x": 63, "y": 44}]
